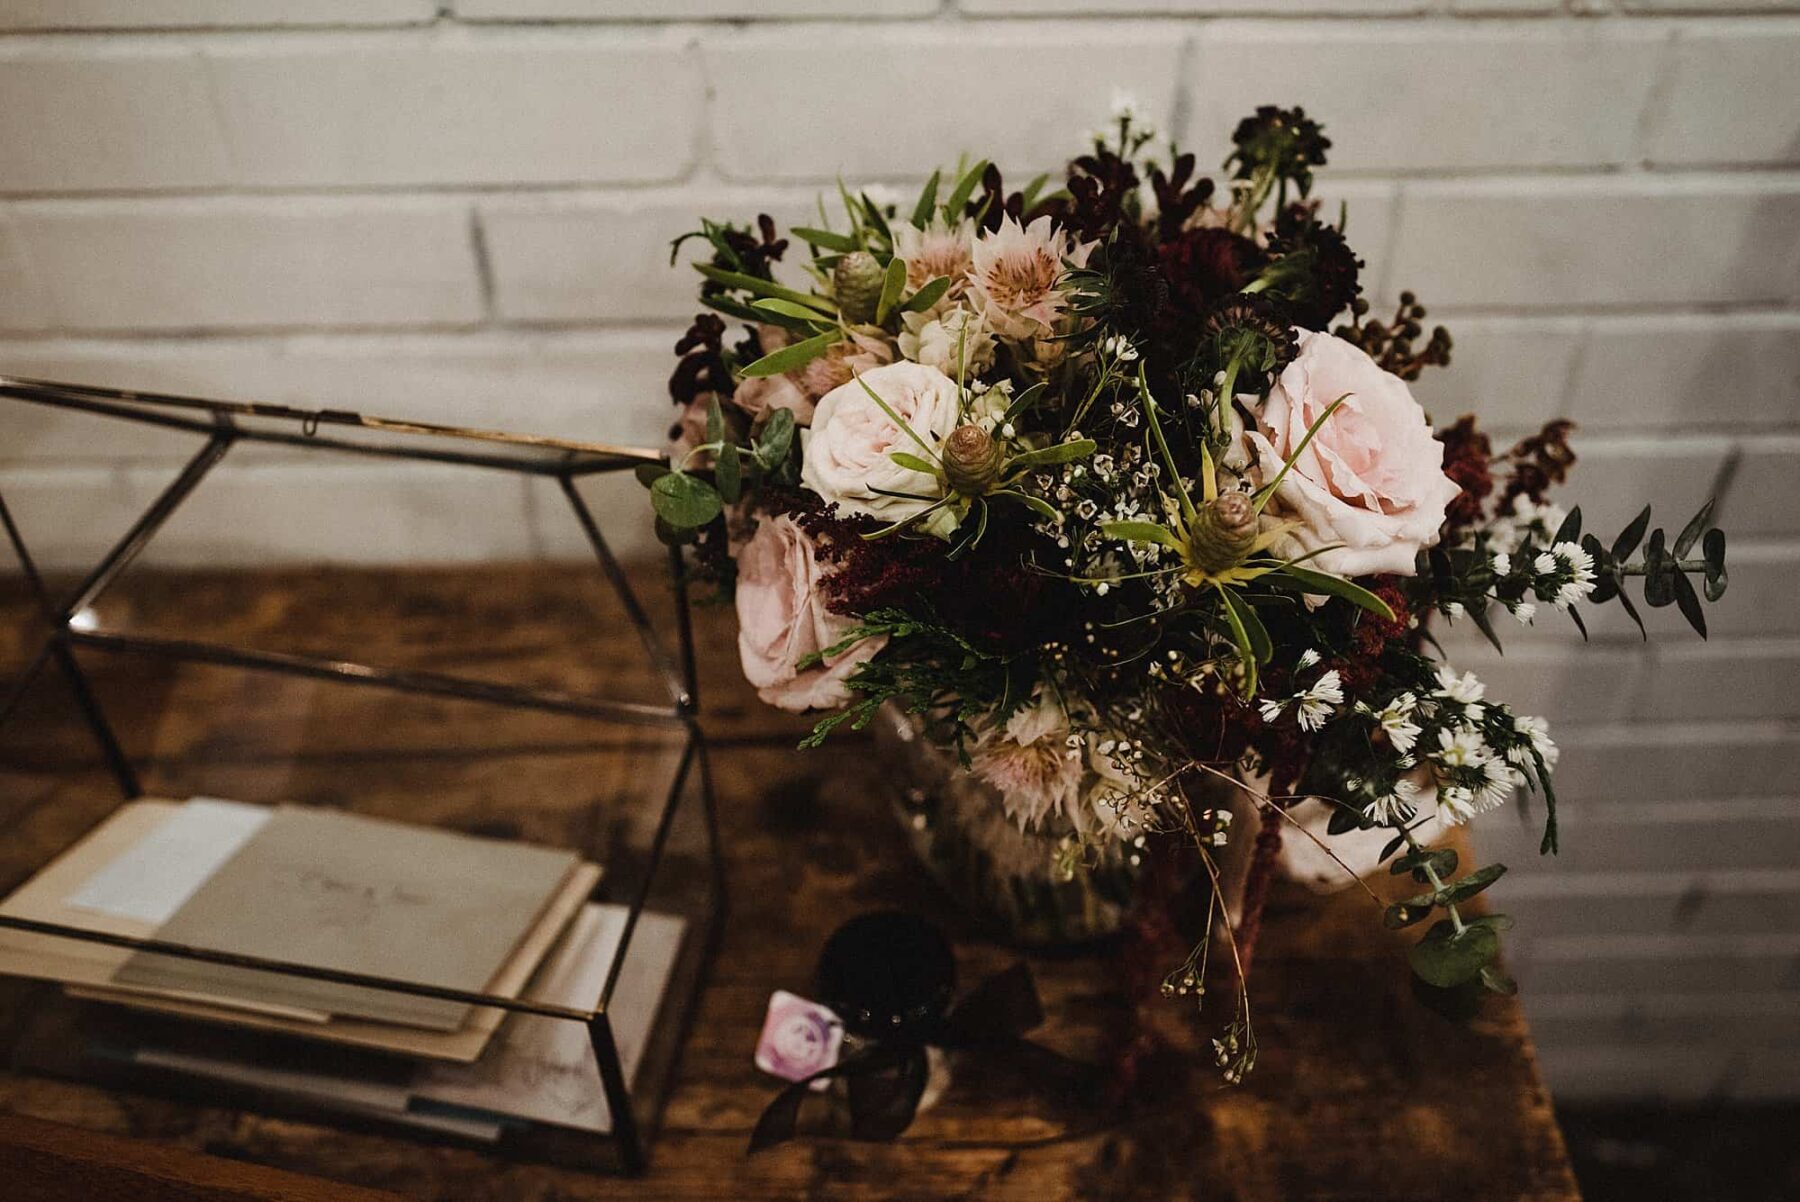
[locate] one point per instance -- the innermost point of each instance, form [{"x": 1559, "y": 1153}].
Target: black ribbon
[{"x": 886, "y": 1079}]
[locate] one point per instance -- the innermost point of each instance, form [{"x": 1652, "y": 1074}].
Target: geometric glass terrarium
[{"x": 563, "y": 716}]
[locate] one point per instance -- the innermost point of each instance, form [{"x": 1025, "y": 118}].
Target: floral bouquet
[{"x": 1084, "y": 478}]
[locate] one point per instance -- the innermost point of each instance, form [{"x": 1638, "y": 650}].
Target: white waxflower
[{"x": 1464, "y": 689}]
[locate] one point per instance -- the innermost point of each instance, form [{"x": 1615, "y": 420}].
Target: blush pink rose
[
  {"x": 782, "y": 619},
  {"x": 1371, "y": 482}
]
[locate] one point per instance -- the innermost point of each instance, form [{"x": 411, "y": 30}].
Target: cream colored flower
[
  {"x": 848, "y": 452},
  {"x": 1029, "y": 762},
  {"x": 957, "y": 342},
  {"x": 1015, "y": 273},
  {"x": 937, "y": 250}
]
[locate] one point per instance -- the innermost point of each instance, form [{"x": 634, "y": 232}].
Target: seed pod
[
  {"x": 972, "y": 460},
  {"x": 1223, "y": 531},
  {"x": 856, "y": 283}
]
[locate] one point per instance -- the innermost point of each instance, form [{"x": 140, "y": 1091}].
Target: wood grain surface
[{"x": 1359, "y": 1093}]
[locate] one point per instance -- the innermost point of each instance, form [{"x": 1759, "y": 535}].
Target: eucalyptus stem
[
  {"x": 1431, "y": 874},
  {"x": 1643, "y": 569}
]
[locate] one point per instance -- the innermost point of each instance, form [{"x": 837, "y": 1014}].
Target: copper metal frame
[{"x": 563, "y": 460}]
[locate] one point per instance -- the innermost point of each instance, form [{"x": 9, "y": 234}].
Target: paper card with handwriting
[{"x": 333, "y": 890}]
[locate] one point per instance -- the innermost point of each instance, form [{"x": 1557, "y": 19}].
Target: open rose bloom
[{"x": 1118, "y": 489}]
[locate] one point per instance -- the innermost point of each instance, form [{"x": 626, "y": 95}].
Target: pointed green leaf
[
  {"x": 776, "y": 439},
  {"x": 1240, "y": 637},
  {"x": 965, "y": 188},
  {"x": 762, "y": 287},
  {"x": 715, "y": 419},
  {"x": 929, "y": 294},
  {"x": 892, "y": 285},
  {"x": 1062, "y": 452},
  {"x": 1337, "y": 586},
  {"x": 1141, "y": 532},
  {"x": 921, "y": 214},
  {"x": 1260, "y": 644},
  {"x": 1632, "y": 535},
  {"x": 1570, "y": 530},
  {"x": 1470, "y": 885},
  {"x": 1025, "y": 400},
  {"x": 776, "y": 307},
  {"x": 649, "y": 473},
  {"x": 1688, "y": 603},
  {"x": 913, "y": 462},
  {"x": 830, "y": 240},
  {"x": 793, "y": 357},
  {"x": 1690, "y": 533}
]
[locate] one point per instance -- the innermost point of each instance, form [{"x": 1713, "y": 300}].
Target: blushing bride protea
[{"x": 1016, "y": 269}]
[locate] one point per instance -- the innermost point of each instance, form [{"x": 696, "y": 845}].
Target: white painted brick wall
[{"x": 460, "y": 210}]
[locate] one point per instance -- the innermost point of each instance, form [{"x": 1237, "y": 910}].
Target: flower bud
[
  {"x": 972, "y": 460},
  {"x": 856, "y": 283},
  {"x": 1223, "y": 532}
]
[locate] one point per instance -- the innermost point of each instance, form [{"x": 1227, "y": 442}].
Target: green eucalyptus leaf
[
  {"x": 1498, "y": 982},
  {"x": 728, "y": 474},
  {"x": 1570, "y": 530},
  {"x": 1687, "y": 602},
  {"x": 1469, "y": 886},
  {"x": 1632, "y": 613},
  {"x": 1690, "y": 533},
  {"x": 1404, "y": 914},
  {"x": 1632, "y": 535},
  {"x": 791, "y": 358},
  {"x": 1446, "y": 957},
  {"x": 776, "y": 439},
  {"x": 1442, "y": 861},
  {"x": 683, "y": 501},
  {"x": 1713, "y": 547}
]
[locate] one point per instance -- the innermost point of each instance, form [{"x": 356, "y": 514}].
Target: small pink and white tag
[{"x": 799, "y": 1038}]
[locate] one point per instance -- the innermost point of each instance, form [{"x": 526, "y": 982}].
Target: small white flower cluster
[
  {"x": 1453, "y": 748},
  {"x": 1526, "y": 522},
  {"x": 1314, "y": 704},
  {"x": 1560, "y": 577}
]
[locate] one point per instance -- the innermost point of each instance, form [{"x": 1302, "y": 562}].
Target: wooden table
[{"x": 1359, "y": 1094}]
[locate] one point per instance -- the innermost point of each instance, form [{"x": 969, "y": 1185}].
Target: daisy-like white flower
[
  {"x": 1271, "y": 709},
  {"x": 1453, "y": 609},
  {"x": 1545, "y": 564},
  {"x": 1497, "y": 784},
  {"x": 1396, "y": 719},
  {"x": 940, "y": 249},
  {"x": 1464, "y": 689},
  {"x": 1014, "y": 275},
  {"x": 1502, "y": 564},
  {"x": 1462, "y": 747},
  {"x": 1400, "y": 805},
  {"x": 1574, "y": 560},
  {"x": 1319, "y": 701},
  {"x": 1524, "y": 611},
  {"x": 1537, "y": 733},
  {"x": 1456, "y": 805},
  {"x": 1308, "y": 658}
]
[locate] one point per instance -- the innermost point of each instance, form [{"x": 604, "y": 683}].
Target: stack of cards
[{"x": 337, "y": 891}]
